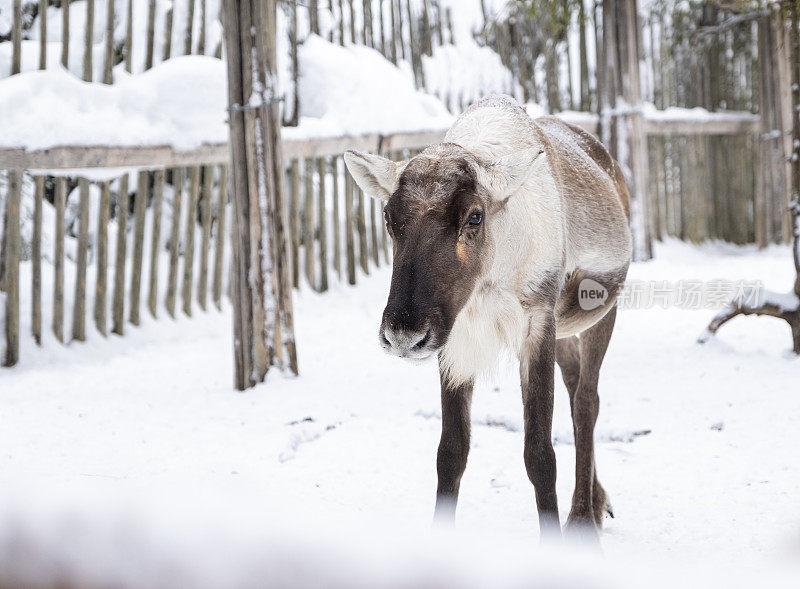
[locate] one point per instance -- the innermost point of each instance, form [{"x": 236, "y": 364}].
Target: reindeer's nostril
[
  {"x": 384, "y": 339},
  {"x": 423, "y": 342}
]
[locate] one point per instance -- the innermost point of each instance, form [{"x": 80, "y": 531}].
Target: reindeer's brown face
[
  {"x": 439, "y": 207},
  {"x": 437, "y": 220}
]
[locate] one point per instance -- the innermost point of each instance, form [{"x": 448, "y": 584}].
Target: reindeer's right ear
[{"x": 376, "y": 175}]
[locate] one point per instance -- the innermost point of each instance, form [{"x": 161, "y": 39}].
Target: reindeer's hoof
[
  {"x": 610, "y": 509},
  {"x": 582, "y": 532}
]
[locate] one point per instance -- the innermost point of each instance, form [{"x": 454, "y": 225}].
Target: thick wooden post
[
  {"x": 621, "y": 124},
  {"x": 794, "y": 204},
  {"x": 261, "y": 293}
]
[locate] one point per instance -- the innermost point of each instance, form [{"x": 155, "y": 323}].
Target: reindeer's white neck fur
[{"x": 526, "y": 246}]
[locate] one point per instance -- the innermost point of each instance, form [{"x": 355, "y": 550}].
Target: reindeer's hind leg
[{"x": 584, "y": 358}]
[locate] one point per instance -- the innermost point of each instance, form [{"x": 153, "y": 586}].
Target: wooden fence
[
  {"x": 169, "y": 249},
  {"x": 175, "y": 258}
]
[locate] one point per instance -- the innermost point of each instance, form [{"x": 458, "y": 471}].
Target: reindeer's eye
[{"x": 476, "y": 218}]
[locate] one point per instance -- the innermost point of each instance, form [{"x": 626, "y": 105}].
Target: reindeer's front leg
[
  {"x": 451, "y": 459},
  {"x": 537, "y": 369}
]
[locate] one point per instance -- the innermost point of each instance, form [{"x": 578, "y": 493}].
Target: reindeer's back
[{"x": 594, "y": 194}]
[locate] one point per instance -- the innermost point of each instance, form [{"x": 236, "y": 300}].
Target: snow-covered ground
[{"x": 132, "y": 458}]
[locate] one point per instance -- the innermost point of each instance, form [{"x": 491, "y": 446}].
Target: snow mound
[
  {"x": 353, "y": 89},
  {"x": 180, "y": 102}
]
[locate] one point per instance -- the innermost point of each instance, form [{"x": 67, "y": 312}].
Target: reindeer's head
[{"x": 439, "y": 209}]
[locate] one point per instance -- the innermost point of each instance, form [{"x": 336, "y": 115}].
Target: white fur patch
[{"x": 492, "y": 321}]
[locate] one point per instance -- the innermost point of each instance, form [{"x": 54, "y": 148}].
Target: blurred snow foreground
[
  {"x": 182, "y": 102},
  {"x": 129, "y": 462}
]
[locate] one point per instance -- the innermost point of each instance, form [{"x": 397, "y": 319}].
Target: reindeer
[{"x": 500, "y": 232}]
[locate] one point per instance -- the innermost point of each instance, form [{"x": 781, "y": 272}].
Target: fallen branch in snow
[{"x": 750, "y": 302}]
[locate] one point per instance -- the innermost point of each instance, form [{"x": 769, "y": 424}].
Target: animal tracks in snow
[
  {"x": 514, "y": 424},
  {"x": 304, "y": 431}
]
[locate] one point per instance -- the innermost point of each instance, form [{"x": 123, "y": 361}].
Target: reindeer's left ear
[{"x": 503, "y": 177}]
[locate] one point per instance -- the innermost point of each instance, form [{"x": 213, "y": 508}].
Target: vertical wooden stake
[
  {"x": 188, "y": 248},
  {"x": 16, "y": 37},
  {"x": 42, "y": 34},
  {"x": 337, "y": 225},
  {"x": 139, "y": 205},
  {"x": 309, "y": 229},
  {"x": 129, "y": 37},
  {"x": 294, "y": 225},
  {"x": 205, "y": 236},
  {"x": 108, "y": 62},
  {"x": 151, "y": 34},
  {"x": 118, "y": 326},
  {"x": 36, "y": 256},
  {"x": 58, "y": 259},
  {"x": 65, "y": 33},
  {"x": 363, "y": 248},
  {"x": 219, "y": 244},
  {"x": 323, "y": 227},
  {"x": 174, "y": 240},
  {"x": 349, "y": 227},
  {"x": 79, "y": 307},
  {"x": 102, "y": 259},
  {"x": 155, "y": 243},
  {"x": 11, "y": 278},
  {"x": 88, "y": 41}
]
